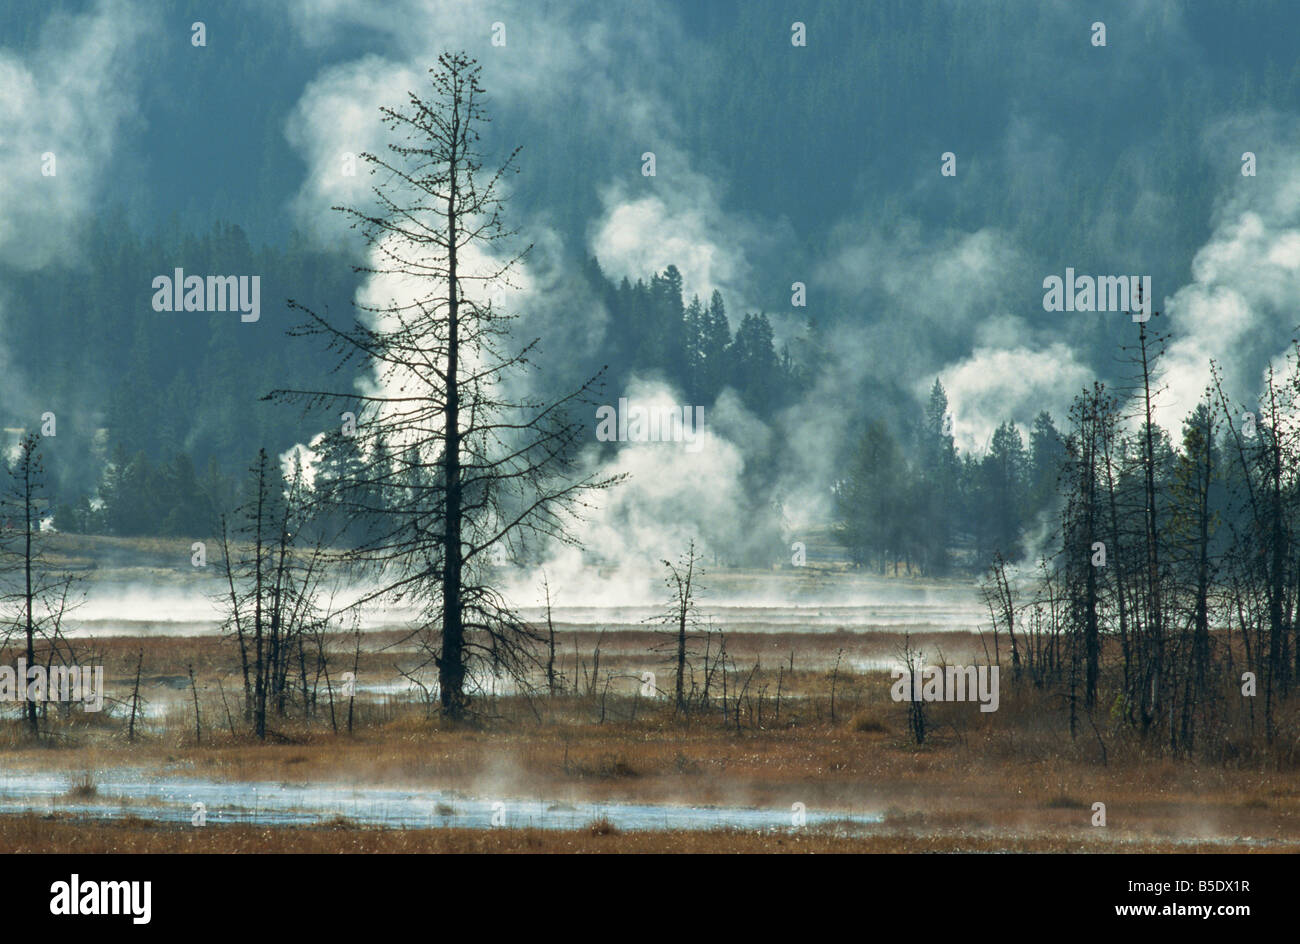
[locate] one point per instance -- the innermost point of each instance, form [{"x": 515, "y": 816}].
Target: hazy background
[{"x": 775, "y": 164}]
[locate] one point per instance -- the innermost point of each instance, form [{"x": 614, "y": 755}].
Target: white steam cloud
[
  {"x": 992, "y": 386},
  {"x": 68, "y": 97},
  {"x": 63, "y": 105},
  {"x": 565, "y": 59},
  {"x": 1242, "y": 303}
]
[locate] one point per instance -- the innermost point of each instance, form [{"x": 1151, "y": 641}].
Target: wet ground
[{"x": 119, "y": 793}]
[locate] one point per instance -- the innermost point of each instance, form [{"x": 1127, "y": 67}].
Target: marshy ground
[
  {"x": 1010, "y": 780},
  {"x": 811, "y": 754}
]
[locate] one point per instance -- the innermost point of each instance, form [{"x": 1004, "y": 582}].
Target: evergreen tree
[
  {"x": 868, "y": 499},
  {"x": 755, "y": 371},
  {"x": 1001, "y": 498},
  {"x": 1046, "y": 458},
  {"x": 715, "y": 338},
  {"x": 936, "y": 485},
  {"x": 693, "y": 350}
]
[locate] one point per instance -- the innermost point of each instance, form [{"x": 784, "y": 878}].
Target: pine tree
[
  {"x": 1046, "y": 456},
  {"x": 868, "y": 498},
  {"x": 715, "y": 338},
  {"x": 1003, "y": 474},
  {"x": 936, "y": 485},
  {"x": 755, "y": 371}
]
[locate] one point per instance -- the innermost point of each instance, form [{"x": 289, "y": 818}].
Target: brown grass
[
  {"x": 33, "y": 833},
  {"x": 1009, "y": 781},
  {"x": 1012, "y": 779}
]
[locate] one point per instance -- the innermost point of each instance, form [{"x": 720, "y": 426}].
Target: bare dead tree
[
  {"x": 194, "y": 690},
  {"x": 476, "y": 474},
  {"x": 234, "y": 610},
  {"x": 1000, "y": 598},
  {"x": 356, "y": 667},
  {"x": 272, "y": 587},
  {"x": 135, "y": 698},
  {"x": 835, "y": 677},
  {"x": 550, "y": 640},
  {"x": 230, "y": 720},
  {"x": 913, "y": 662},
  {"x": 681, "y": 616},
  {"x": 34, "y": 597}
]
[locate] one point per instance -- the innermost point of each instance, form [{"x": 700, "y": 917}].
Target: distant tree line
[
  {"x": 691, "y": 344},
  {"x": 164, "y": 419},
  {"x": 914, "y": 503}
]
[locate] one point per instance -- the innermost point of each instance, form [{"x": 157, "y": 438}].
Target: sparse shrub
[
  {"x": 607, "y": 767},
  {"x": 83, "y": 788},
  {"x": 685, "y": 765},
  {"x": 869, "y": 723},
  {"x": 895, "y": 816},
  {"x": 616, "y": 766},
  {"x": 1063, "y": 802}
]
